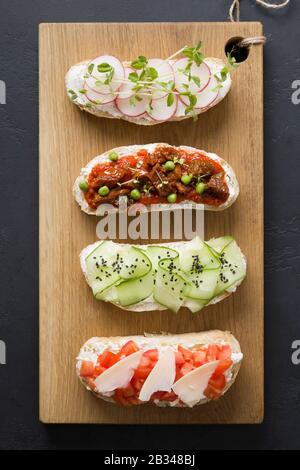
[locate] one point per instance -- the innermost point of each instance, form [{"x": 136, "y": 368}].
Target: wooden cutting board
[{"x": 69, "y": 315}]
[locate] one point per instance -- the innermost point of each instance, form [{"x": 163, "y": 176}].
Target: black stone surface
[{"x": 19, "y": 425}]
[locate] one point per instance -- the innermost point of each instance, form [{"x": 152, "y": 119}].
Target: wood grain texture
[{"x": 68, "y": 140}]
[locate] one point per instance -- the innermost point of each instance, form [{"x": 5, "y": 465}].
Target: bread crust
[{"x": 191, "y": 340}]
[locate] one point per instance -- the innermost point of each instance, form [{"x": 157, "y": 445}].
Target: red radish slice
[
  {"x": 118, "y": 75},
  {"x": 98, "y": 98},
  {"x": 125, "y": 90},
  {"x": 202, "y": 72},
  {"x": 160, "y": 111},
  {"x": 207, "y": 97},
  {"x": 132, "y": 110},
  {"x": 165, "y": 74}
]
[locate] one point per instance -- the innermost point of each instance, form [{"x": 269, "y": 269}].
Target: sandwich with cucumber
[
  {"x": 158, "y": 176},
  {"x": 150, "y": 91},
  {"x": 191, "y": 274},
  {"x": 166, "y": 370}
]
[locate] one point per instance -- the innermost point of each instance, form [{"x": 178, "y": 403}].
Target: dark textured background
[{"x": 19, "y": 425}]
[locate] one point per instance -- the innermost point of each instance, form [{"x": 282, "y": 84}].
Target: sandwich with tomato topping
[
  {"x": 166, "y": 370},
  {"x": 158, "y": 176}
]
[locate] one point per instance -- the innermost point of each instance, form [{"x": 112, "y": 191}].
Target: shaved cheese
[
  {"x": 190, "y": 388},
  {"x": 162, "y": 376},
  {"x": 119, "y": 375}
]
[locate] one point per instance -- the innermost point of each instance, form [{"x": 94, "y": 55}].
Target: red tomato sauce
[{"x": 146, "y": 173}]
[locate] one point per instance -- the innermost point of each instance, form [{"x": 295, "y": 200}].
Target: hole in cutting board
[{"x": 233, "y": 47}]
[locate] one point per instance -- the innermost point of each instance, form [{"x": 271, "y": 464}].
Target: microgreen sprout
[{"x": 147, "y": 82}]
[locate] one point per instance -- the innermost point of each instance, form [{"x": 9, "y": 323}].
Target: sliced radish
[
  {"x": 202, "y": 72},
  {"x": 98, "y": 98},
  {"x": 118, "y": 75},
  {"x": 207, "y": 97},
  {"x": 160, "y": 111},
  {"x": 125, "y": 90},
  {"x": 126, "y": 107},
  {"x": 165, "y": 74}
]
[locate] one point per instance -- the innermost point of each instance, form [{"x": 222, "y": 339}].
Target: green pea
[
  {"x": 172, "y": 198},
  {"x": 169, "y": 165},
  {"x": 200, "y": 188},
  {"x": 113, "y": 156},
  {"x": 135, "y": 194},
  {"x": 84, "y": 186},
  {"x": 186, "y": 179},
  {"x": 103, "y": 191}
]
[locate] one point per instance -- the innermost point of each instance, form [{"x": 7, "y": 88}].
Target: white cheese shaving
[
  {"x": 118, "y": 375},
  {"x": 162, "y": 376},
  {"x": 190, "y": 388}
]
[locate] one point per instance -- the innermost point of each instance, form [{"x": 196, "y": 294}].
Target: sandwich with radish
[
  {"x": 139, "y": 278},
  {"x": 150, "y": 91},
  {"x": 167, "y": 370},
  {"x": 158, "y": 176}
]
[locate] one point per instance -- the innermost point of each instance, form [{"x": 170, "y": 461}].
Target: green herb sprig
[{"x": 145, "y": 78}]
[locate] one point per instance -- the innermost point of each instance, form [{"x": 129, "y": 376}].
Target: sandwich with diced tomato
[{"x": 166, "y": 370}]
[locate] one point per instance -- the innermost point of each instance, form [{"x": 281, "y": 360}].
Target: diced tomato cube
[
  {"x": 218, "y": 381},
  {"x": 137, "y": 384},
  {"x": 142, "y": 372},
  {"x": 186, "y": 368},
  {"x": 87, "y": 369},
  {"x": 129, "y": 348},
  {"x": 223, "y": 366},
  {"x": 212, "y": 352},
  {"x": 179, "y": 359},
  {"x": 187, "y": 354},
  {"x": 98, "y": 370},
  {"x": 119, "y": 398},
  {"x": 152, "y": 354},
  {"x": 169, "y": 396},
  {"x": 215, "y": 386},
  {"x": 128, "y": 391},
  {"x": 106, "y": 358},
  {"x": 199, "y": 358},
  {"x": 157, "y": 396},
  {"x": 224, "y": 352},
  {"x": 115, "y": 359}
]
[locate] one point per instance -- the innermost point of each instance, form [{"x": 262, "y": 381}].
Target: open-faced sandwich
[
  {"x": 150, "y": 91},
  {"x": 157, "y": 176},
  {"x": 167, "y": 370},
  {"x": 141, "y": 278}
]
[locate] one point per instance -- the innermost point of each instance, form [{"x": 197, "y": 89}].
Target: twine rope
[
  {"x": 234, "y": 15},
  {"x": 234, "y": 11}
]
